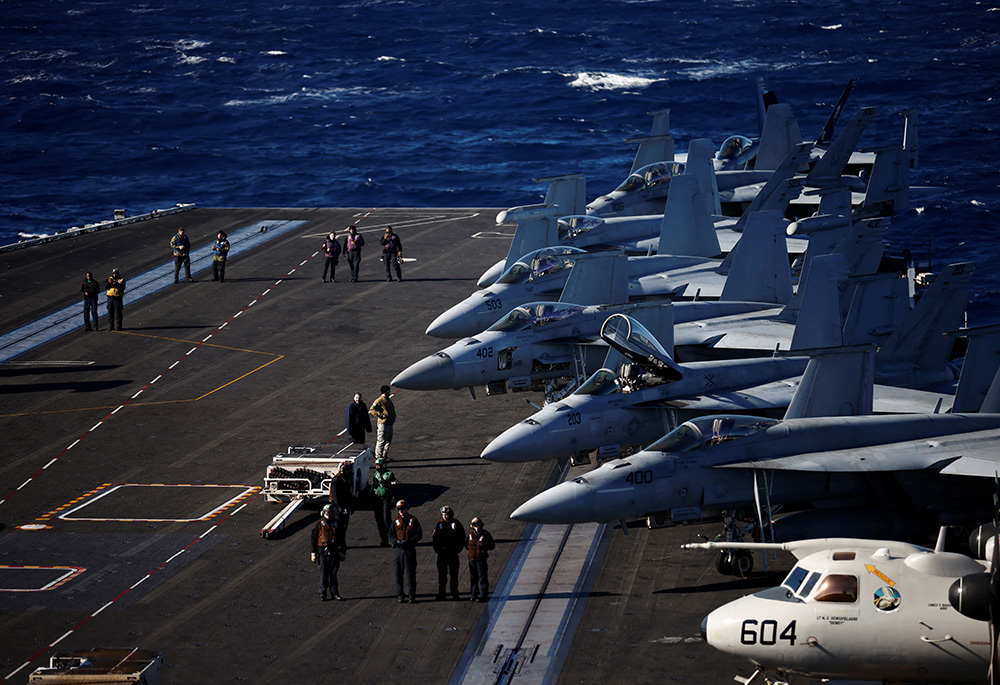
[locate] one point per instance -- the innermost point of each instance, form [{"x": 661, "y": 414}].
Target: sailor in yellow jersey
[{"x": 116, "y": 293}]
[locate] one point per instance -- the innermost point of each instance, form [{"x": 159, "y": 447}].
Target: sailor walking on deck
[
  {"x": 181, "y": 246},
  {"x": 116, "y": 295},
  {"x": 331, "y": 250},
  {"x": 221, "y": 250},
  {"x": 90, "y": 289},
  {"x": 342, "y": 500},
  {"x": 392, "y": 253},
  {"x": 325, "y": 540},
  {"x": 358, "y": 420},
  {"x": 352, "y": 246}
]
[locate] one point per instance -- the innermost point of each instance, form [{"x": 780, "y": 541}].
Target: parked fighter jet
[
  {"x": 928, "y": 467},
  {"x": 757, "y": 270},
  {"x": 859, "y": 609}
]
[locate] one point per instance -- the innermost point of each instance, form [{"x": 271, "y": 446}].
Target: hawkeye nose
[{"x": 436, "y": 372}]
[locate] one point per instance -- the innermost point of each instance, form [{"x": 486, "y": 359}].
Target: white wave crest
[
  {"x": 191, "y": 59},
  {"x": 227, "y": 60},
  {"x": 602, "y": 80},
  {"x": 275, "y": 53},
  {"x": 832, "y": 27},
  {"x": 387, "y": 58},
  {"x": 190, "y": 44}
]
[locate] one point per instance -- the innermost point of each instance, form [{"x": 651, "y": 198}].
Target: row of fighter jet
[{"x": 723, "y": 332}]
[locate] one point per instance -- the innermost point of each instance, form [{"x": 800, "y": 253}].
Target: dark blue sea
[{"x": 143, "y": 105}]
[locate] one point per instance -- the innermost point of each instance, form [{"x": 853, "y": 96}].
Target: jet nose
[
  {"x": 570, "y": 502},
  {"x": 516, "y": 444},
  {"x": 436, "y": 372},
  {"x": 453, "y": 323}
]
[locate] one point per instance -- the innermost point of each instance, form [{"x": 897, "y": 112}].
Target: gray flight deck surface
[{"x": 131, "y": 463}]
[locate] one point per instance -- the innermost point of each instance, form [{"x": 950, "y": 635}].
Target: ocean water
[{"x": 142, "y": 105}]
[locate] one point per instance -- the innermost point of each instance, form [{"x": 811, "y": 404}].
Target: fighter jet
[
  {"x": 758, "y": 270},
  {"x": 898, "y": 470},
  {"x": 873, "y": 610}
]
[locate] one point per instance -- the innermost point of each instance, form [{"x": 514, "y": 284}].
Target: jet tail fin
[
  {"x": 876, "y": 304},
  {"x": 781, "y": 133},
  {"x": 781, "y": 186},
  {"x": 826, "y": 135},
  {"x": 837, "y": 382},
  {"x": 911, "y": 142},
  {"x": 888, "y": 190},
  {"x": 598, "y": 278},
  {"x": 567, "y": 192},
  {"x": 982, "y": 360},
  {"x": 920, "y": 342},
  {"x": 687, "y": 227},
  {"x": 658, "y": 146},
  {"x": 701, "y": 165},
  {"x": 818, "y": 324},
  {"x": 758, "y": 264},
  {"x": 831, "y": 165}
]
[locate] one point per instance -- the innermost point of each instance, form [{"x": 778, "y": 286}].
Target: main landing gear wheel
[{"x": 737, "y": 563}]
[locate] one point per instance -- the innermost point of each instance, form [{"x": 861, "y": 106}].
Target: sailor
[
  {"x": 392, "y": 253},
  {"x": 352, "y": 246},
  {"x": 90, "y": 289},
  {"x": 116, "y": 294},
  {"x": 342, "y": 500},
  {"x": 384, "y": 489},
  {"x": 357, "y": 419},
  {"x": 325, "y": 540},
  {"x": 181, "y": 246},
  {"x": 448, "y": 540},
  {"x": 480, "y": 543},
  {"x": 406, "y": 535},
  {"x": 221, "y": 250},
  {"x": 331, "y": 250},
  {"x": 385, "y": 413}
]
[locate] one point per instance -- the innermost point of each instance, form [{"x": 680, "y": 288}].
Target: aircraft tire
[
  {"x": 724, "y": 563},
  {"x": 742, "y": 564}
]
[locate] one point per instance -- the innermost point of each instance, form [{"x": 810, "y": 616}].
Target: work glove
[{"x": 312, "y": 557}]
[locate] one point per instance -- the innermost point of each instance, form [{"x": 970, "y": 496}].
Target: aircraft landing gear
[{"x": 737, "y": 563}]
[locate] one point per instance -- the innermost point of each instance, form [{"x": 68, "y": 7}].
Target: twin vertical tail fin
[
  {"x": 837, "y": 382},
  {"x": 758, "y": 265}
]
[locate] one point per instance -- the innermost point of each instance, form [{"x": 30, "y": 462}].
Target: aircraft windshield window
[
  {"x": 602, "y": 382},
  {"x": 681, "y": 439},
  {"x": 808, "y": 586},
  {"x": 661, "y": 172},
  {"x": 550, "y": 264},
  {"x": 552, "y": 312},
  {"x": 633, "y": 182},
  {"x": 517, "y": 320},
  {"x": 733, "y": 146},
  {"x": 837, "y": 587},
  {"x": 719, "y": 429},
  {"x": 795, "y": 578},
  {"x": 573, "y": 226},
  {"x": 515, "y": 274}
]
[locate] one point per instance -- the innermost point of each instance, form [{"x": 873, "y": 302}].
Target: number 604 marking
[{"x": 768, "y": 633}]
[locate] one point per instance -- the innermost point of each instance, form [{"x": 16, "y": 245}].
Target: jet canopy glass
[
  {"x": 733, "y": 147},
  {"x": 540, "y": 263},
  {"x": 576, "y": 225},
  {"x": 650, "y": 176},
  {"x": 601, "y": 382},
  {"x": 706, "y": 431},
  {"x": 638, "y": 345},
  {"x": 534, "y": 315}
]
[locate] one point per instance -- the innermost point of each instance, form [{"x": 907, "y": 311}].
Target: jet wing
[
  {"x": 967, "y": 454},
  {"x": 766, "y": 396}
]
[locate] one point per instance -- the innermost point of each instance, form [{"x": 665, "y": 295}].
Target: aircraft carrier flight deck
[{"x": 133, "y": 463}]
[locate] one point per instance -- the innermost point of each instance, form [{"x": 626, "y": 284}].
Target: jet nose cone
[
  {"x": 452, "y": 323},
  {"x": 436, "y": 372},
  {"x": 513, "y": 445},
  {"x": 569, "y": 502}
]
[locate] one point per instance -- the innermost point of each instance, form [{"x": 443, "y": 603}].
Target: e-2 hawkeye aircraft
[
  {"x": 865, "y": 610},
  {"x": 843, "y": 469}
]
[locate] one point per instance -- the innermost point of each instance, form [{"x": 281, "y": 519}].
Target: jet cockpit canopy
[
  {"x": 534, "y": 315},
  {"x": 540, "y": 263},
  {"x": 650, "y": 176},
  {"x": 706, "y": 431},
  {"x": 576, "y": 225},
  {"x": 638, "y": 345},
  {"x": 736, "y": 150},
  {"x": 601, "y": 382}
]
